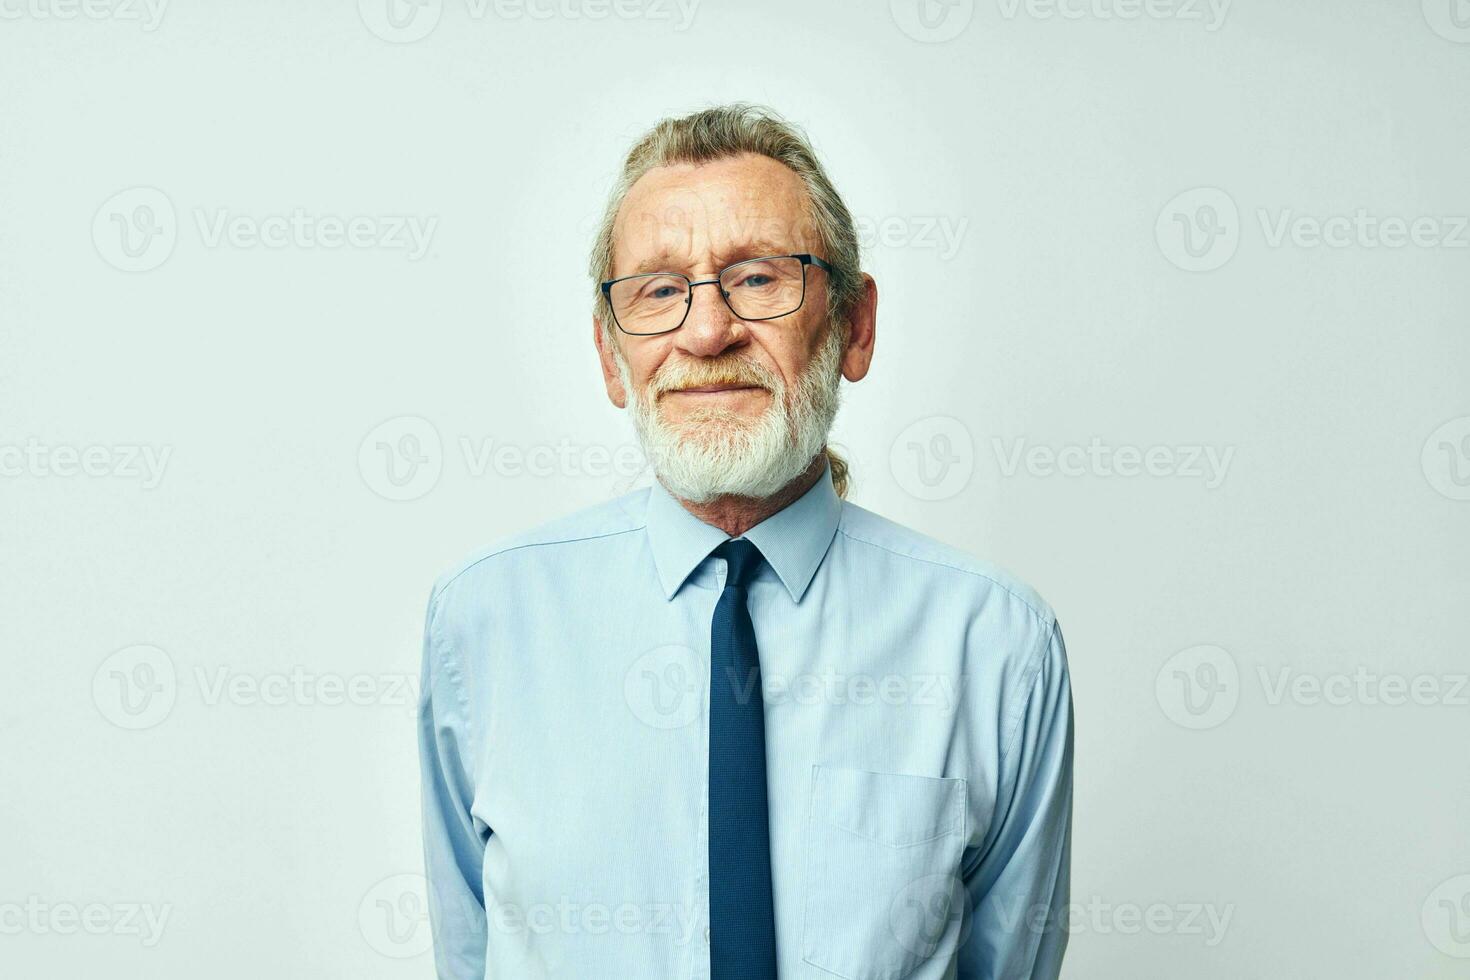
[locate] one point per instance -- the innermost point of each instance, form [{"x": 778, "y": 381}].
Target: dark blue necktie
[{"x": 742, "y": 925}]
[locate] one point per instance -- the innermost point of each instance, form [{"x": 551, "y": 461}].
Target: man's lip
[{"x": 710, "y": 389}]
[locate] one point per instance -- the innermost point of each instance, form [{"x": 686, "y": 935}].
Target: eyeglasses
[{"x": 756, "y": 289}]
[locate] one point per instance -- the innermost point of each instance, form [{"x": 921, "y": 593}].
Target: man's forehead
[{"x": 735, "y": 205}]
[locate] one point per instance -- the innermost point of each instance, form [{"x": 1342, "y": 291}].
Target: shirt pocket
[{"x": 882, "y": 871}]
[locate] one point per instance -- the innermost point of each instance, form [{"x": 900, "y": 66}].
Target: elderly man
[{"x": 733, "y": 725}]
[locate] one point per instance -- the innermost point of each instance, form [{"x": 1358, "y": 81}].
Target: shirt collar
[{"x": 793, "y": 540}]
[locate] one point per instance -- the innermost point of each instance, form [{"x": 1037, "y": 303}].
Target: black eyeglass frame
[{"x": 806, "y": 259}]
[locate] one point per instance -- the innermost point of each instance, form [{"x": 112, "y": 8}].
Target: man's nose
[{"x": 711, "y": 328}]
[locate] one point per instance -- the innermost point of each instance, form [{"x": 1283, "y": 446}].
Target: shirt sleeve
[
  {"x": 1019, "y": 887},
  {"x": 454, "y": 847}
]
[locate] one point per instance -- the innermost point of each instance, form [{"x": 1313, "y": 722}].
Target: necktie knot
[{"x": 744, "y": 558}]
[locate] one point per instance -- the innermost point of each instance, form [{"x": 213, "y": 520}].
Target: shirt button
[{"x": 706, "y": 933}]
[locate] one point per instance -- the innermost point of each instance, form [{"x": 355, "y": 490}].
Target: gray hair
[{"x": 731, "y": 130}]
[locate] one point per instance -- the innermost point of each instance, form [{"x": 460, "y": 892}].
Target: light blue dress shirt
[{"x": 918, "y": 735}]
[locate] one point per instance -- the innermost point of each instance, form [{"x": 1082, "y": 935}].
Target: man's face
[
  {"x": 714, "y": 388},
  {"x": 697, "y": 220}
]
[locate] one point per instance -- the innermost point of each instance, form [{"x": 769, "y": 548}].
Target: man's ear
[
  {"x": 862, "y": 332},
  {"x": 610, "y": 376}
]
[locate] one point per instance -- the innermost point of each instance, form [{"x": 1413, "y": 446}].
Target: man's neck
[{"x": 735, "y": 515}]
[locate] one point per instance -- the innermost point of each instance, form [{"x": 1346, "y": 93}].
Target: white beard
[{"x": 715, "y": 451}]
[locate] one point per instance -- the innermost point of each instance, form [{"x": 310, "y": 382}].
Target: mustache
[{"x": 730, "y": 371}]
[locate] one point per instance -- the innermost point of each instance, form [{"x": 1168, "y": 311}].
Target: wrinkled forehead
[{"x": 701, "y": 217}]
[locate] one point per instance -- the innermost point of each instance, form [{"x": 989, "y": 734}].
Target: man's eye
[
  {"x": 664, "y": 292},
  {"x": 757, "y": 280}
]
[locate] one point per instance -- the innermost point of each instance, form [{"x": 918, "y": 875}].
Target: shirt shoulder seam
[
  {"x": 534, "y": 544},
  {"x": 1028, "y": 681},
  {"x": 1043, "y": 618}
]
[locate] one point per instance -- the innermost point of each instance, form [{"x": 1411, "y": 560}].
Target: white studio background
[{"x": 1173, "y": 315}]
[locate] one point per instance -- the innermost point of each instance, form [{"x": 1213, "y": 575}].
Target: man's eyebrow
[{"x": 666, "y": 262}]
